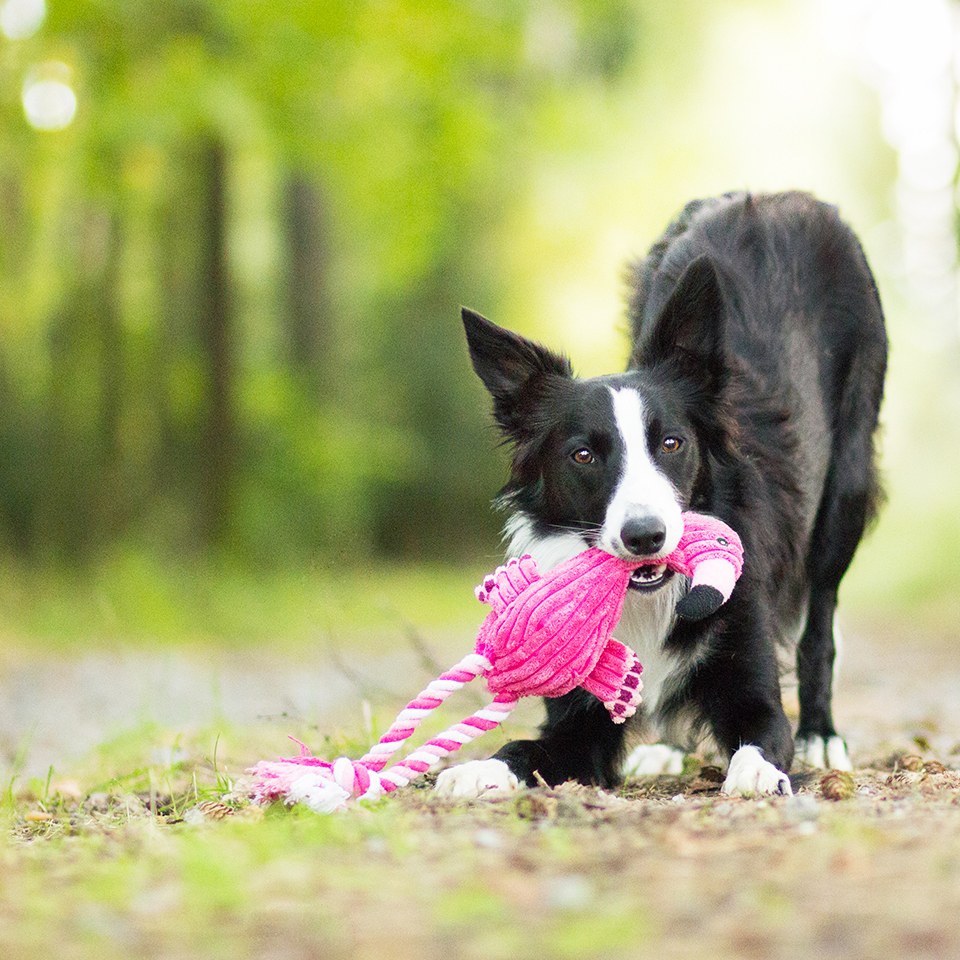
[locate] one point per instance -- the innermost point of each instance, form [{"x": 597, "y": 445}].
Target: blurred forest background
[{"x": 235, "y": 236}]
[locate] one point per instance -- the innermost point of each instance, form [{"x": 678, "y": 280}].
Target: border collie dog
[{"x": 752, "y": 394}]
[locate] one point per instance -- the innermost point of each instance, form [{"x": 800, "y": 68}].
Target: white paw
[
  {"x": 829, "y": 754},
  {"x": 750, "y": 775},
  {"x": 476, "y": 778},
  {"x": 653, "y": 759}
]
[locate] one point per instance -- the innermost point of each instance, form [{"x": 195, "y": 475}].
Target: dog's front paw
[
  {"x": 829, "y": 754},
  {"x": 749, "y": 775},
  {"x": 477, "y": 778}
]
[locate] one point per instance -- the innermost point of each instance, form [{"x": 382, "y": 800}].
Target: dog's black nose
[{"x": 643, "y": 536}]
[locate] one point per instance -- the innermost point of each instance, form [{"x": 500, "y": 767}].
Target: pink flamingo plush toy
[{"x": 544, "y": 636}]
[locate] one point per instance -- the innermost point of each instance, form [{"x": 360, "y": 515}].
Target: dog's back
[{"x": 803, "y": 327}]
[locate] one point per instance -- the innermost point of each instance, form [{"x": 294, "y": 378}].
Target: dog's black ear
[
  {"x": 689, "y": 330},
  {"x": 511, "y": 367},
  {"x": 687, "y": 338}
]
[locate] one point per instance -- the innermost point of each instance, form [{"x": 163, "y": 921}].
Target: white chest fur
[{"x": 647, "y": 620}]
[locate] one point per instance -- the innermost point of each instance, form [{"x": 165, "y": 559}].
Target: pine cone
[{"x": 837, "y": 785}]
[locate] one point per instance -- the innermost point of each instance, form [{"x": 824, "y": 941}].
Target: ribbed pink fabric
[{"x": 544, "y": 636}]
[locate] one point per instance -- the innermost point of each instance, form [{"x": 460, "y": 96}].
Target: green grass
[
  {"x": 117, "y": 861},
  {"x": 135, "y": 599},
  {"x": 112, "y": 869},
  {"x": 907, "y": 569}
]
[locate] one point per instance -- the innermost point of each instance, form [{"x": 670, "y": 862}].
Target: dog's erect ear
[
  {"x": 510, "y": 366},
  {"x": 688, "y": 338},
  {"x": 689, "y": 330}
]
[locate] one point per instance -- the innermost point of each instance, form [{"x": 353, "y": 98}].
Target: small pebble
[
  {"x": 99, "y": 801},
  {"x": 568, "y": 892},
  {"x": 488, "y": 839},
  {"x": 377, "y": 846},
  {"x": 802, "y": 807},
  {"x": 68, "y": 789}
]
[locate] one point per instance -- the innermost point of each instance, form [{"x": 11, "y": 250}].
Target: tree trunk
[
  {"x": 309, "y": 327},
  {"x": 216, "y": 333}
]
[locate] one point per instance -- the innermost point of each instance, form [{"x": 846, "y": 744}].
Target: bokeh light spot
[
  {"x": 49, "y": 101},
  {"x": 20, "y": 19}
]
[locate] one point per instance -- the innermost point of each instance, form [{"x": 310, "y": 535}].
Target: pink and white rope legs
[{"x": 326, "y": 786}]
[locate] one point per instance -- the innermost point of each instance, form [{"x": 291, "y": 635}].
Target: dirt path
[
  {"x": 896, "y": 689},
  {"x": 684, "y": 871},
  {"x": 53, "y": 711},
  {"x": 893, "y": 688}
]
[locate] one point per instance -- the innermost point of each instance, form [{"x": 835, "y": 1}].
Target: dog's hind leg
[
  {"x": 850, "y": 498},
  {"x": 817, "y": 743},
  {"x": 653, "y": 759}
]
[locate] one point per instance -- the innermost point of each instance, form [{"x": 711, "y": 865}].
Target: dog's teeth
[{"x": 650, "y": 574}]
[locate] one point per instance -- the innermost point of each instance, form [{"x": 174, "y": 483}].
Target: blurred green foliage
[{"x": 229, "y": 290}]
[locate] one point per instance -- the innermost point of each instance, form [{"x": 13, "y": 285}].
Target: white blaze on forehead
[{"x": 642, "y": 490}]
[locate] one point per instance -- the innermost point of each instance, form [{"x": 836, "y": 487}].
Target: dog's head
[{"x": 610, "y": 461}]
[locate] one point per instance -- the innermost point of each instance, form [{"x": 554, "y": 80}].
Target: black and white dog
[{"x": 752, "y": 394}]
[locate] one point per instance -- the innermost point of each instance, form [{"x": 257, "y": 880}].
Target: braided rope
[
  {"x": 421, "y": 706},
  {"x": 327, "y": 785},
  {"x": 452, "y": 739}
]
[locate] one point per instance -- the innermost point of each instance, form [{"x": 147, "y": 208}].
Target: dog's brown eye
[
  {"x": 582, "y": 456},
  {"x": 671, "y": 444}
]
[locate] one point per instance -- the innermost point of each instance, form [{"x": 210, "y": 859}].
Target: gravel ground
[
  {"x": 851, "y": 866},
  {"x": 53, "y": 711},
  {"x": 893, "y": 688}
]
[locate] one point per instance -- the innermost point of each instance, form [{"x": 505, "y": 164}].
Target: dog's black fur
[{"x": 758, "y": 337}]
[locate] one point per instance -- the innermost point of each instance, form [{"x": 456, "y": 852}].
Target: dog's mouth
[{"x": 650, "y": 577}]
